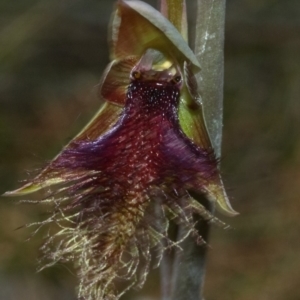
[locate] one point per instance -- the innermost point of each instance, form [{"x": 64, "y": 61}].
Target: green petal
[
  {"x": 191, "y": 115},
  {"x": 193, "y": 124},
  {"x": 137, "y": 26},
  {"x": 215, "y": 192},
  {"x": 32, "y": 187},
  {"x": 116, "y": 80},
  {"x": 192, "y": 121},
  {"x": 175, "y": 12},
  {"x": 104, "y": 119}
]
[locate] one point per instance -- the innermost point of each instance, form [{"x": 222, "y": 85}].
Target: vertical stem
[
  {"x": 166, "y": 275},
  {"x": 189, "y": 264},
  {"x": 209, "y": 49}
]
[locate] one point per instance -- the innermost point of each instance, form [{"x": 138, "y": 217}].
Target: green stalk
[
  {"x": 189, "y": 264},
  {"x": 209, "y": 49}
]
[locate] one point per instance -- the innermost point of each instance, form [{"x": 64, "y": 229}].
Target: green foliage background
[{"x": 52, "y": 54}]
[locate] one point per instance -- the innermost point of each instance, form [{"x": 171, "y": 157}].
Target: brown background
[{"x": 52, "y": 54}]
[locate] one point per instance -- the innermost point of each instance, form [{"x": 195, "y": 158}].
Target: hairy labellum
[
  {"x": 116, "y": 186},
  {"x": 137, "y": 173}
]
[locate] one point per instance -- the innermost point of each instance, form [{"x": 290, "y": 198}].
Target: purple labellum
[
  {"x": 121, "y": 187},
  {"x": 145, "y": 147},
  {"x": 114, "y": 195},
  {"x": 118, "y": 184}
]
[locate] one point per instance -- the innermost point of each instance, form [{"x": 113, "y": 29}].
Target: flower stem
[{"x": 189, "y": 264}]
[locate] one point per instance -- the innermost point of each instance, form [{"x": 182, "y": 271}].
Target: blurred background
[{"x": 52, "y": 54}]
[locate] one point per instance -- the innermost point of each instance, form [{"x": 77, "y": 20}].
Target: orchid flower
[{"x": 117, "y": 185}]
